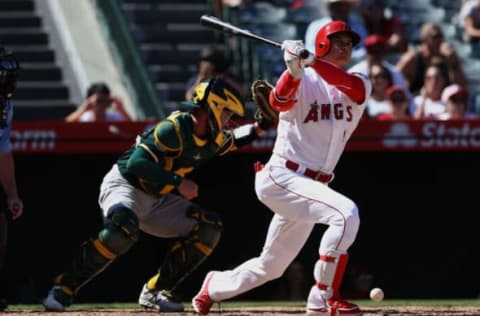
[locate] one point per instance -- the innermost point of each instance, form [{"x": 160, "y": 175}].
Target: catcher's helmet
[
  {"x": 8, "y": 73},
  {"x": 322, "y": 40},
  {"x": 215, "y": 95}
]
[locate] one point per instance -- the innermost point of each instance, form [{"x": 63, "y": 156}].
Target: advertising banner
[{"x": 33, "y": 137}]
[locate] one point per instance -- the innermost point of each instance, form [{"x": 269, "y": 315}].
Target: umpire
[
  {"x": 10, "y": 203},
  {"x": 147, "y": 190}
]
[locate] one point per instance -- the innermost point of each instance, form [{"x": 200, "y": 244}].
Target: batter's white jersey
[{"x": 314, "y": 132}]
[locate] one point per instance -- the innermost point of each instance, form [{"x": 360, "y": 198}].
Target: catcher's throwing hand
[
  {"x": 188, "y": 189},
  {"x": 15, "y": 205},
  {"x": 295, "y": 63},
  {"x": 265, "y": 115}
]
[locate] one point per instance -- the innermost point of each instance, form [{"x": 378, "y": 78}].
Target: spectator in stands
[
  {"x": 375, "y": 46},
  {"x": 414, "y": 62},
  {"x": 472, "y": 29},
  {"x": 428, "y": 103},
  {"x": 99, "y": 106},
  {"x": 10, "y": 203},
  {"x": 219, "y": 5},
  {"x": 381, "y": 81},
  {"x": 455, "y": 98},
  {"x": 213, "y": 63},
  {"x": 464, "y": 8},
  {"x": 338, "y": 10},
  {"x": 391, "y": 28},
  {"x": 398, "y": 102}
]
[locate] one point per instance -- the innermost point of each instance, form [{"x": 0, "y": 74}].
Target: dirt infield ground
[{"x": 260, "y": 311}]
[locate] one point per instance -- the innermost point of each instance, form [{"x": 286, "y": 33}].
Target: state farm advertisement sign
[
  {"x": 421, "y": 135},
  {"x": 31, "y": 137},
  {"x": 60, "y": 137},
  {"x": 435, "y": 135}
]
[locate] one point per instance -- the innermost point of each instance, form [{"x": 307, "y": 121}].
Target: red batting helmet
[{"x": 322, "y": 41}]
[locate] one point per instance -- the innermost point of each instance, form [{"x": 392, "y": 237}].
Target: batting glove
[{"x": 292, "y": 56}]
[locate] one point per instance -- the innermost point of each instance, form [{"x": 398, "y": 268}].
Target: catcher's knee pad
[
  {"x": 206, "y": 233},
  {"x": 120, "y": 230},
  {"x": 187, "y": 254},
  {"x": 3, "y": 232}
]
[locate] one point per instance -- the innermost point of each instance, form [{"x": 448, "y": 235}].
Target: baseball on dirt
[{"x": 376, "y": 294}]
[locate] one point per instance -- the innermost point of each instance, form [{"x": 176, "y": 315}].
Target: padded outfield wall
[{"x": 418, "y": 237}]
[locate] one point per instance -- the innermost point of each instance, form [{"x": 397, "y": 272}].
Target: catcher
[{"x": 148, "y": 190}]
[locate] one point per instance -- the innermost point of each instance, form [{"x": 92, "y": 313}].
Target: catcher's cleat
[
  {"x": 3, "y": 304},
  {"x": 159, "y": 300},
  {"x": 202, "y": 302},
  {"x": 57, "y": 300}
]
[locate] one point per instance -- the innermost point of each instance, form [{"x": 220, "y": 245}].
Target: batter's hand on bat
[
  {"x": 293, "y": 57},
  {"x": 15, "y": 206},
  {"x": 188, "y": 189}
]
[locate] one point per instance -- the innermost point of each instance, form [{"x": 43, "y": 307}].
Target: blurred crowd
[
  {"x": 427, "y": 71},
  {"x": 412, "y": 79},
  {"x": 427, "y": 79}
]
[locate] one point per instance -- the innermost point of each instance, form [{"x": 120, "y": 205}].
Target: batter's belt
[{"x": 315, "y": 175}]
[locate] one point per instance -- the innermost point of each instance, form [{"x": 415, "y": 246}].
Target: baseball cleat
[
  {"x": 202, "y": 302},
  {"x": 335, "y": 307},
  {"x": 57, "y": 300},
  {"x": 3, "y": 304},
  {"x": 159, "y": 300},
  {"x": 343, "y": 307},
  {"x": 318, "y": 312}
]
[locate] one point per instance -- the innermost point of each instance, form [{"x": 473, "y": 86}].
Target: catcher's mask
[
  {"x": 215, "y": 95},
  {"x": 8, "y": 73}
]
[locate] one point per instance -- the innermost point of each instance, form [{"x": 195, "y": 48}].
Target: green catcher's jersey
[{"x": 166, "y": 152}]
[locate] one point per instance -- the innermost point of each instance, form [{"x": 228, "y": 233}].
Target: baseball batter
[{"x": 320, "y": 107}]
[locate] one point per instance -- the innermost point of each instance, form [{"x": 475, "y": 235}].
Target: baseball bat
[{"x": 215, "y": 23}]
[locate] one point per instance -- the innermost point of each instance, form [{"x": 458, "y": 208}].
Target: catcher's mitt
[{"x": 265, "y": 115}]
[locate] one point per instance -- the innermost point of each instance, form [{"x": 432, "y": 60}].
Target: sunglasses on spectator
[
  {"x": 375, "y": 49},
  {"x": 458, "y": 100},
  {"x": 379, "y": 75},
  {"x": 436, "y": 36},
  {"x": 436, "y": 76},
  {"x": 398, "y": 99},
  {"x": 340, "y": 4},
  {"x": 103, "y": 101}
]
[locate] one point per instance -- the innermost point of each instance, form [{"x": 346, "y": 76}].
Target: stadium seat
[
  {"x": 261, "y": 12},
  {"x": 41, "y": 91},
  {"x": 169, "y": 37}
]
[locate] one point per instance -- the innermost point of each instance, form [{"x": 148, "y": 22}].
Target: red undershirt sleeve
[{"x": 282, "y": 97}]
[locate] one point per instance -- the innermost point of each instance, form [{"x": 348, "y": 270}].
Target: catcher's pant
[
  {"x": 299, "y": 203},
  {"x": 165, "y": 217}
]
